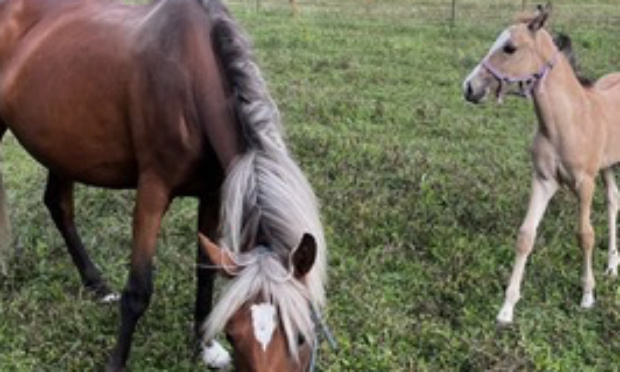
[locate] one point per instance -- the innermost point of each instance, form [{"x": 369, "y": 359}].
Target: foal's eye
[{"x": 509, "y": 48}]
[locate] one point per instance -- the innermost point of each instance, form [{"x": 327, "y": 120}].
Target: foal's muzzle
[{"x": 472, "y": 95}]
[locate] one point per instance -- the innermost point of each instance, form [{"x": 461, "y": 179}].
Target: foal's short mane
[
  {"x": 564, "y": 43},
  {"x": 265, "y": 182}
]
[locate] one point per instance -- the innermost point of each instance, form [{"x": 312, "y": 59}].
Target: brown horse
[
  {"x": 578, "y": 136},
  {"x": 166, "y": 98}
]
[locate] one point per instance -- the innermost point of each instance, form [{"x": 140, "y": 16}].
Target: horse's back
[{"x": 94, "y": 91}]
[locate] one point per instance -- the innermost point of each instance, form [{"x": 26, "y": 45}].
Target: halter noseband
[{"x": 527, "y": 83}]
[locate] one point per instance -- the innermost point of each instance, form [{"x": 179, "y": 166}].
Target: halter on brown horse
[
  {"x": 578, "y": 136},
  {"x": 166, "y": 98}
]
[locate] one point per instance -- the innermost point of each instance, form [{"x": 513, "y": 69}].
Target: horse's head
[
  {"x": 522, "y": 54},
  {"x": 266, "y": 311}
]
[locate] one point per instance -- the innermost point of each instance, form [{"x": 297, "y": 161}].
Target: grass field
[{"x": 422, "y": 196}]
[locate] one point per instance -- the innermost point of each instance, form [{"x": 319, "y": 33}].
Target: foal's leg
[
  {"x": 585, "y": 192},
  {"x": 213, "y": 354},
  {"x": 6, "y": 239},
  {"x": 542, "y": 192},
  {"x": 152, "y": 201},
  {"x": 612, "y": 213},
  {"x": 59, "y": 202}
]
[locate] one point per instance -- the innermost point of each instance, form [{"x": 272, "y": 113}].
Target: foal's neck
[{"x": 554, "y": 96}]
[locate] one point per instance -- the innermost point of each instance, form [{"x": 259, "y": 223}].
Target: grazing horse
[
  {"x": 167, "y": 99},
  {"x": 578, "y": 135}
]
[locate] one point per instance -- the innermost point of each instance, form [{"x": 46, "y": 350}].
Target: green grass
[{"x": 422, "y": 195}]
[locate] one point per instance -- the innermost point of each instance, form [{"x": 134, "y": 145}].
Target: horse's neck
[{"x": 555, "y": 97}]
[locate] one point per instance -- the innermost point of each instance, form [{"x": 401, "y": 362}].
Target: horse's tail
[{"x": 265, "y": 179}]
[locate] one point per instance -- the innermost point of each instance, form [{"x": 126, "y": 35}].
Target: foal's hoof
[
  {"x": 504, "y": 318},
  {"x": 215, "y": 356},
  {"x": 612, "y": 271},
  {"x": 587, "y": 302}
]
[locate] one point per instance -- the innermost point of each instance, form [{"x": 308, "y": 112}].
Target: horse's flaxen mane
[{"x": 265, "y": 179}]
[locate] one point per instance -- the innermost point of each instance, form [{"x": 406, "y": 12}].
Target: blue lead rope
[{"x": 322, "y": 329}]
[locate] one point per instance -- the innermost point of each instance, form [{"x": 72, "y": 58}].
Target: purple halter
[{"x": 527, "y": 82}]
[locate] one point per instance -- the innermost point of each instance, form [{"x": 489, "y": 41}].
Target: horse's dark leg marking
[
  {"x": 208, "y": 220},
  {"x": 152, "y": 201},
  {"x": 59, "y": 201}
]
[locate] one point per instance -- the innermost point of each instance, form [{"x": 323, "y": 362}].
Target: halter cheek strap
[{"x": 527, "y": 82}]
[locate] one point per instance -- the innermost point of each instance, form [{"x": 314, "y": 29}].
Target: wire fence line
[{"x": 572, "y": 13}]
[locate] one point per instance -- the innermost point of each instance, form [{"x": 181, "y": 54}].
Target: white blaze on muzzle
[
  {"x": 263, "y": 323},
  {"x": 502, "y": 39}
]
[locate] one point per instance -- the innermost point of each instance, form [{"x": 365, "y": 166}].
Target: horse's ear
[
  {"x": 219, "y": 257},
  {"x": 543, "y": 12},
  {"x": 304, "y": 256}
]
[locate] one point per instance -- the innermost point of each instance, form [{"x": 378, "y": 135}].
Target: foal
[{"x": 578, "y": 135}]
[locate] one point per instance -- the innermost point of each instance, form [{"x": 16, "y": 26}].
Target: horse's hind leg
[
  {"x": 612, "y": 214},
  {"x": 59, "y": 201},
  {"x": 5, "y": 224},
  {"x": 542, "y": 192},
  {"x": 213, "y": 354}
]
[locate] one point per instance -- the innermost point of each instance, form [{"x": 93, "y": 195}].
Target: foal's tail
[{"x": 265, "y": 179}]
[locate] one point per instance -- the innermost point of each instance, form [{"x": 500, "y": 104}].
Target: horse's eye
[
  {"x": 300, "y": 340},
  {"x": 509, "y": 48}
]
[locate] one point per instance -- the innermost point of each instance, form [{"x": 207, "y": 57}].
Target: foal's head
[
  {"x": 522, "y": 54},
  {"x": 266, "y": 310}
]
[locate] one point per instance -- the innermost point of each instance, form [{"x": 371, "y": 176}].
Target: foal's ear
[
  {"x": 219, "y": 257},
  {"x": 304, "y": 256},
  {"x": 542, "y": 15}
]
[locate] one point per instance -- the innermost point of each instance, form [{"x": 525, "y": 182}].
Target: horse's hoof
[
  {"x": 110, "y": 298},
  {"x": 215, "y": 356},
  {"x": 587, "y": 302}
]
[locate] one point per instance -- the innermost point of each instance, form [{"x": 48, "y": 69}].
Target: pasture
[{"x": 422, "y": 195}]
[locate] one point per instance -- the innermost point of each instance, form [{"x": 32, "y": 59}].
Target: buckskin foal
[{"x": 578, "y": 136}]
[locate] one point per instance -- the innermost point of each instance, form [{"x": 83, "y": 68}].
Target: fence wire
[{"x": 567, "y": 13}]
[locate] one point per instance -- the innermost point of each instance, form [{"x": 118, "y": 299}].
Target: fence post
[
  {"x": 293, "y": 5},
  {"x": 453, "y": 20}
]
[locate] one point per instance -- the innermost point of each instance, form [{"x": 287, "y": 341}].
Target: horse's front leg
[
  {"x": 212, "y": 353},
  {"x": 153, "y": 199},
  {"x": 585, "y": 193},
  {"x": 612, "y": 214},
  {"x": 542, "y": 192}
]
